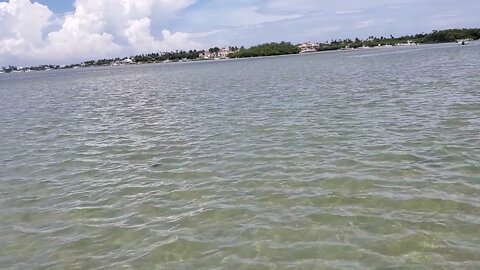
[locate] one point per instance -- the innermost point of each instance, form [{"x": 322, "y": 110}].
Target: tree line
[
  {"x": 436, "y": 36},
  {"x": 267, "y": 49}
]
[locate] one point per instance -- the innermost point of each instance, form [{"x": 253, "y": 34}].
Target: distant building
[
  {"x": 308, "y": 47},
  {"x": 205, "y": 55},
  {"x": 222, "y": 53}
]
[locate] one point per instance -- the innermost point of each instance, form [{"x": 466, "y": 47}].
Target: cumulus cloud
[
  {"x": 21, "y": 25},
  {"x": 95, "y": 29},
  {"x": 140, "y": 38}
]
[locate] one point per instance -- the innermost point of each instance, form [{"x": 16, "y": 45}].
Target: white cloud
[
  {"x": 21, "y": 25},
  {"x": 81, "y": 34},
  {"x": 140, "y": 38},
  {"x": 138, "y": 34},
  {"x": 95, "y": 29}
]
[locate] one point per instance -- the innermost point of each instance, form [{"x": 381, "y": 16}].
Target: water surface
[{"x": 344, "y": 160}]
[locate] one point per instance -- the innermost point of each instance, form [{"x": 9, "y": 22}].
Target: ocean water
[{"x": 345, "y": 160}]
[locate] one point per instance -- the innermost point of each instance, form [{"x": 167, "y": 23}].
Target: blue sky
[
  {"x": 64, "y": 31},
  {"x": 58, "y": 6}
]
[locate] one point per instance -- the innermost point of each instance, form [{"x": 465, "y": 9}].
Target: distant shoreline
[
  {"x": 239, "y": 59},
  {"x": 461, "y": 36}
]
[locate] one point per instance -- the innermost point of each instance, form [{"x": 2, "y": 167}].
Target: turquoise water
[{"x": 347, "y": 160}]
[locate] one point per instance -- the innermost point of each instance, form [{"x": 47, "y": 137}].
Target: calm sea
[{"x": 345, "y": 160}]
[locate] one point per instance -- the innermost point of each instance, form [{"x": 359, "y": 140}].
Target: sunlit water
[{"x": 343, "y": 160}]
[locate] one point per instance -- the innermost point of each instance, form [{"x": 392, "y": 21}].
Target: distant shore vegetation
[
  {"x": 442, "y": 36},
  {"x": 268, "y": 49}
]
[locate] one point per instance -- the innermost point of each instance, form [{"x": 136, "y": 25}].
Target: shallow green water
[{"x": 345, "y": 160}]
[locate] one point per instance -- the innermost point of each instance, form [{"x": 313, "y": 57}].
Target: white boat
[
  {"x": 462, "y": 42},
  {"x": 308, "y": 50}
]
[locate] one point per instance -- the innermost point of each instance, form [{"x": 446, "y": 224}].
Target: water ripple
[{"x": 357, "y": 160}]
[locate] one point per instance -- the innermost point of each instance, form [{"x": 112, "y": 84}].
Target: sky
[{"x": 36, "y": 32}]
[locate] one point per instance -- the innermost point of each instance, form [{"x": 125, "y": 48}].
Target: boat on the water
[
  {"x": 309, "y": 50},
  {"x": 462, "y": 42}
]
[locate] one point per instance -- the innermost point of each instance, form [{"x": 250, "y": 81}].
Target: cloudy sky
[{"x": 70, "y": 31}]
